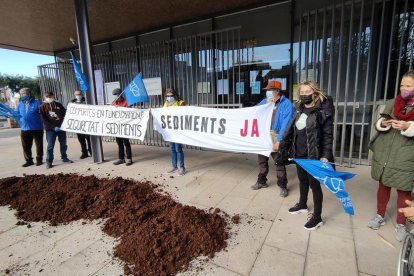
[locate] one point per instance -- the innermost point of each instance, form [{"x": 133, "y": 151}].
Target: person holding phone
[{"x": 393, "y": 158}]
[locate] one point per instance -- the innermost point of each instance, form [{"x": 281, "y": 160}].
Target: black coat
[
  {"x": 319, "y": 133},
  {"x": 83, "y": 101}
]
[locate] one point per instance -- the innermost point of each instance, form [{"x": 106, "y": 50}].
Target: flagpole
[
  {"x": 117, "y": 97},
  {"x": 332, "y": 163}
]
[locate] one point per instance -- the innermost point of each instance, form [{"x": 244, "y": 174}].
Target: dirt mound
[{"x": 158, "y": 236}]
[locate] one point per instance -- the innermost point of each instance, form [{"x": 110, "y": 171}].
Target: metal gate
[
  {"x": 196, "y": 66},
  {"x": 357, "y": 52}
]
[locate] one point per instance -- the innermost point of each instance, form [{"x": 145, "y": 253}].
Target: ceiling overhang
[{"x": 45, "y": 26}]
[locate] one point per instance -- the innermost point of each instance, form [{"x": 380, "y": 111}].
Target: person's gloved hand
[{"x": 57, "y": 129}]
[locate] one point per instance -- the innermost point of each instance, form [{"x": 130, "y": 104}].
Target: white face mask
[
  {"x": 78, "y": 98},
  {"x": 269, "y": 94},
  {"x": 49, "y": 100}
]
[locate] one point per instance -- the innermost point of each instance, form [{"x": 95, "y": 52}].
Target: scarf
[{"x": 399, "y": 106}]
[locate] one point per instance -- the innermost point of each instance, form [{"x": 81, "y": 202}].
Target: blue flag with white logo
[
  {"x": 332, "y": 180},
  {"x": 80, "y": 77},
  {"x": 135, "y": 92}
]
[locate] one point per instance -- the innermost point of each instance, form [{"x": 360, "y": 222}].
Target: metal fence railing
[{"x": 357, "y": 52}]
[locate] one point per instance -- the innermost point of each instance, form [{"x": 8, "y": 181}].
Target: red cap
[{"x": 273, "y": 85}]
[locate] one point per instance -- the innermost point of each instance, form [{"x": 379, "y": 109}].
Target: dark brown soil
[
  {"x": 235, "y": 219},
  {"x": 158, "y": 236}
]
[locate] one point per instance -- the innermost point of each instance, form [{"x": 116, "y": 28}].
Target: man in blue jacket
[
  {"x": 282, "y": 115},
  {"x": 31, "y": 127}
]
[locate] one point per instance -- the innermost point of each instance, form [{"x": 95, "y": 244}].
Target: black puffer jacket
[{"x": 319, "y": 132}]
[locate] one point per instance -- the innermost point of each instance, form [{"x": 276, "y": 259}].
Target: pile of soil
[{"x": 158, "y": 236}]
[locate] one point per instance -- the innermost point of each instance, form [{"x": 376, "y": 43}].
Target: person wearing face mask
[
  {"x": 393, "y": 154},
  {"x": 311, "y": 131},
  {"x": 176, "y": 151},
  {"x": 31, "y": 127},
  {"x": 282, "y": 115},
  {"x": 84, "y": 139},
  {"x": 121, "y": 101},
  {"x": 53, "y": 113}
]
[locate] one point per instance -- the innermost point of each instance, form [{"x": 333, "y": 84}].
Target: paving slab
[
  {"x": 276, "y": 261},
  {"x": 287, "y": 233},
  {"x": 329, "y": 255},
  {"x": 92, "y": 258},
  {"x": 244, "y": 246}
]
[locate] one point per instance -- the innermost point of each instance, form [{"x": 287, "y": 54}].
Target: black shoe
[
  {"x": 39, "y": 162},
  {"x": 128, "y": 162},
  {"x": 84, "y": 155},
  {"x": 258, "y": 186},
  {"x": 298, "y": 209},
  {"x": 283, "y": 192},
  {"x": 49, "y": 165},
  {"x": 313, "y": 223},
  {"x": 67, "y": 161},
  {"x": 27, "y": 164}
]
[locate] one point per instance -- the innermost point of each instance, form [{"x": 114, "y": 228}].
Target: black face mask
[{"x": 306, "y": 99}]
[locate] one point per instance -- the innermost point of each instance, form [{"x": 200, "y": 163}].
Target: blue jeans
[
  {"x": 51, "y": 139},
  {"x": 176, "y": 152}
]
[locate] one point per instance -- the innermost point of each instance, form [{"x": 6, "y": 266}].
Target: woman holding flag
[
  {"x": 312, "y": 134},
  {"x": 176, "y": 150},
  {"x": 393, "y": 159}
]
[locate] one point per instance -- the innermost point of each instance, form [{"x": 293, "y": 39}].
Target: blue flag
[
  {"x": 332, "y": 179},
  {"x": 8, "y": 112},
  {"x": 135, "y": 92},
  {"x": 80, "y": 77}
]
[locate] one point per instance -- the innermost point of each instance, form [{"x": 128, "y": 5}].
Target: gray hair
[{"x": 26, "y": 91}]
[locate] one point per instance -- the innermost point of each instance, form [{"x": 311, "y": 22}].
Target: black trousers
[
  {"x": 83, "y": 140},
  {"x": 121, "y": 143},
  {"x": 264, "y": 170},
  {"x": 306, "y": 181},
  {"x": 27, "y": 138}
]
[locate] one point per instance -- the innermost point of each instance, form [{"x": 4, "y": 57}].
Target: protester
[
  {"x": 53, "y": 113},
  {"x": 31, "y": 127},
  {"x": 120, "y": 101},
  {"x": 312, "y": 134},
  {"x": 393, "y": 158},
  {"x": 281, "y": 116},
  {"x": 176, "y": 150},
  {"x": 84, "y": 139}
]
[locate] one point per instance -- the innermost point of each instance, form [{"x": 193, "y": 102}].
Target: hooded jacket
[{"x": 393, "y": 158}]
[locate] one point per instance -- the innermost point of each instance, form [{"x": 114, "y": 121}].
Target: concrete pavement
[{"x": 268, "y": 241}]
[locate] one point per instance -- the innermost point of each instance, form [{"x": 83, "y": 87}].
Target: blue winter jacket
[
  {"x": 30, "y": 119},
  {"x": 283, "y": 116}
]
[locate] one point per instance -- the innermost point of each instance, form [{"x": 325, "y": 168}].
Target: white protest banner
[
  {"x": 106, "y": 121},
  {"x": 237, "y": 130}
]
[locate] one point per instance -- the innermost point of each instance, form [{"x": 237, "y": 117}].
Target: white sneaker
[
  {"x": 181, "y": 171},
  {"x": 376, "y": 222},
  {"x": 400, "y": 232},
  {"x": 173, "y": 169}
]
